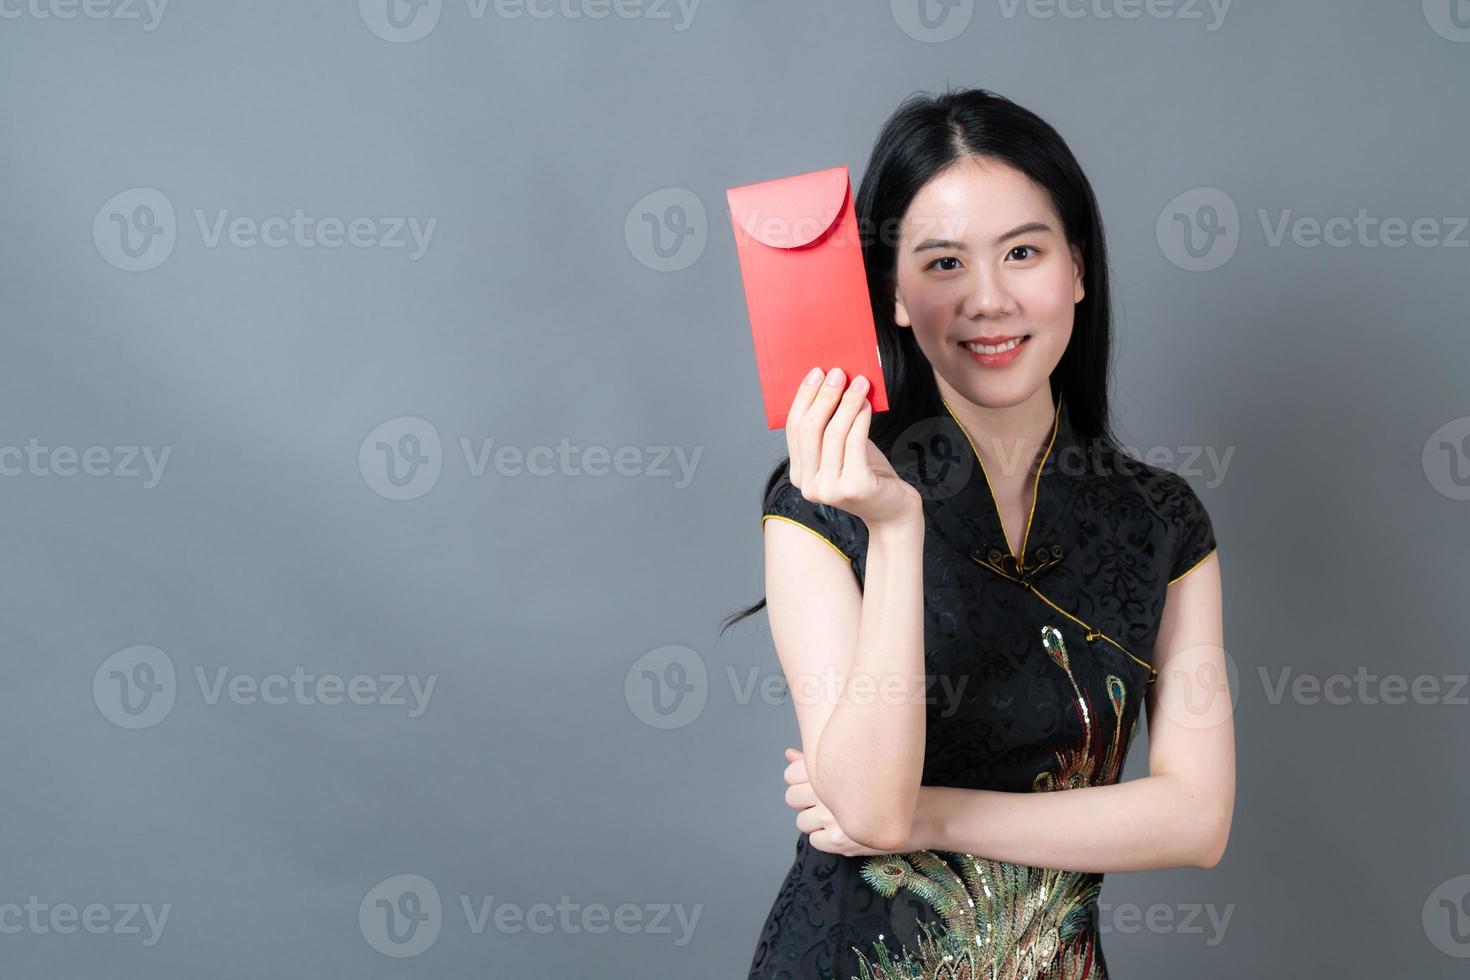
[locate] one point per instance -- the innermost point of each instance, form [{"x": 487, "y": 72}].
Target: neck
[{"x": 1010, "y": 439}]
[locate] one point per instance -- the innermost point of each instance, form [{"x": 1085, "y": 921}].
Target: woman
[{"x": 972, "y": 605}]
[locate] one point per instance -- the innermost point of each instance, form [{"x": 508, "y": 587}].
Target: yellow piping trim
[
  {"x": 1035, "y": 485},
  {"x": 1090, "y": 631},
  {"x": 823, "y": 537},
  {"x": 1194, "y": 566}
]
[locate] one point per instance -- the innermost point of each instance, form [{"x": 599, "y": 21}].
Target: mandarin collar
[{"x": 960, "y": 503}]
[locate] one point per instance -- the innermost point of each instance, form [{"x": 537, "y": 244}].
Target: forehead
[{"x": 974, "y": 200}]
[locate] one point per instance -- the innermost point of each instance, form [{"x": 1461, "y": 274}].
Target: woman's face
[{"x": 982, "y": 256}]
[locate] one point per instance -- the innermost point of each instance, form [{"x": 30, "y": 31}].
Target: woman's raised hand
[{"x": 834, "y": 462}]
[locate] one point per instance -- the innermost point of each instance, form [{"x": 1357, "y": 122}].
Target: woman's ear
[
  {"x": 1079, "y": 267},
  {"x": 900, "y": 312}
]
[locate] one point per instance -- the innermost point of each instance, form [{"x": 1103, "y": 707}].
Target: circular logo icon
[
  {"x": 135, "y": 229},
  {"x": 667, "y": 688},
  {"x": 135, "y": 688},
  {"x": 402, "y": 458},
  {"x": 1449, "y": 18},
  {"x": 1446, "y": 459},
  {"x": 667, "y": 230},
  {"x": 400, "y": 21},
  {"x": 1200, "y": 693},
  {"x": 1447, "y": 917},
  {"x": 1199, "y": 230},
  {"x": 934, "y": 457},
  {"x": 932, "y": 21},
  {"x": 401, "y": 916}
]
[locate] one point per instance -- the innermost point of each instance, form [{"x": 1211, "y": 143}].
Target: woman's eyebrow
[{"x": 1026, "y": 229}]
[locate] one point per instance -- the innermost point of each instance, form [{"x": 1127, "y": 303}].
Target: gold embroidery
[{"x": 1004, "y": 921}]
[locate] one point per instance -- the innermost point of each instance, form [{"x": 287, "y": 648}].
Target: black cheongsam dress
[{"x": 1038, "y": 664}]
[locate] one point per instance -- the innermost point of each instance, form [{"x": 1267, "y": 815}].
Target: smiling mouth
[{"x": 994, "y": 346}]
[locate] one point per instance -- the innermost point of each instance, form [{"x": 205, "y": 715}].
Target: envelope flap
[{"x": 791, "y": 211}]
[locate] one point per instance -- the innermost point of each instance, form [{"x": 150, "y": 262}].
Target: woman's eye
[
  {"x": 1024, "y": 248},
  {"x": 945, "y": 258}
]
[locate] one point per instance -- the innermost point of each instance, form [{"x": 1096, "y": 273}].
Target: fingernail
[
  {"x": 859, "y": 383},
  {"x": 834, "y": 377},
  {"x": 813, "y": 376}
]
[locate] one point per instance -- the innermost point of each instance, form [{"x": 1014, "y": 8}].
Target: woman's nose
[{"x": 987, "y": 295}]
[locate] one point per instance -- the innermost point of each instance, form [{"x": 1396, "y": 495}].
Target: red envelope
[{"x": 802, "y": 264}]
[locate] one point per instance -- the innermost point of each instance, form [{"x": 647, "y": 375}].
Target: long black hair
[{"x": 924, "y": 135}]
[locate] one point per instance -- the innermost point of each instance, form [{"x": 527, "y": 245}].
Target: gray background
[{"x": 541, "y": 311}]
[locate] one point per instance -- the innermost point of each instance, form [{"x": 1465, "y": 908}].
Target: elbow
[
  {"x": 1210, "y": 845},
  {"x": 887, "y": 832}
]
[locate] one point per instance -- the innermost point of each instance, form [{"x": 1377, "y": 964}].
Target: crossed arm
[{"x": 1177, "y": 816}]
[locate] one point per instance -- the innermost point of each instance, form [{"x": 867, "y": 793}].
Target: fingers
[
  {"x": 809, "y": 431},
  {"x": 835, "y": 438},
  {"x": 801, "y": 402},
  {"x": 856, "y": 450},
  {"x": 800, "y": 796}
]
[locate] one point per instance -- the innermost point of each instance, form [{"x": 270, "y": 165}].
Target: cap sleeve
[
  {"x": 783, "y": 501},
  {"x": 1194, "y": 532}
]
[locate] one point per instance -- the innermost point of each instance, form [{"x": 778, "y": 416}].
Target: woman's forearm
[
  {"x": 1138, "y": 825},
  {"x": 870, "y": 755}
]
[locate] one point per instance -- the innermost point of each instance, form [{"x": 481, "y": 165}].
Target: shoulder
[
  {"x": 1179, "y": 522},
  {"x": 846, "y": 533}
]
